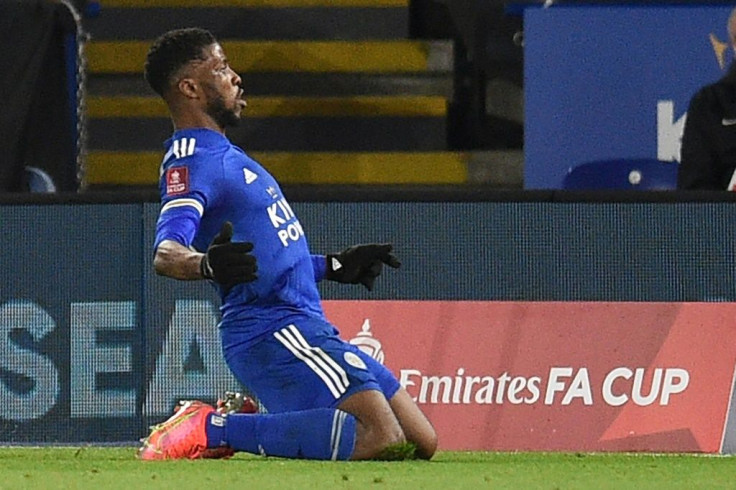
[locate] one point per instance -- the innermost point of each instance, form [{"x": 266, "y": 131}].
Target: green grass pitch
[{"x": 116, "y": 468}]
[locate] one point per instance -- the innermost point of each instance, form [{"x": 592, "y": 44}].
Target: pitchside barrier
[{"x": 520, "y": 321}]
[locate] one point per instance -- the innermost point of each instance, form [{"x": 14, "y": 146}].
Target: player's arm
[
  {"x": 319, "y": 264},
  {"x": 226, "y": 262},
  {"x": 177, "y": 224},
  {"x": 174, "y": 260}
]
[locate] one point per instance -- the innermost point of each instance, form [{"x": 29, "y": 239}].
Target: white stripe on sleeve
[{"x": 177, "y": 203}]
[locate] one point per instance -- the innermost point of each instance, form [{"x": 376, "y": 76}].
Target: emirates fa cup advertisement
[{"x": 570, "y": 376}]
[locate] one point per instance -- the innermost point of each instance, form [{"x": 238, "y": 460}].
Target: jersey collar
[{"x": 205, "y": 137}]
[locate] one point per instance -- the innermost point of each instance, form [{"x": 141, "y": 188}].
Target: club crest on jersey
[{"x": 177, "y": 180}]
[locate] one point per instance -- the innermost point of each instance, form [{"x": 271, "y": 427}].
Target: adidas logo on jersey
[
  {"x": 183, "y": 147},
  {"x": 249, "y": 176}
]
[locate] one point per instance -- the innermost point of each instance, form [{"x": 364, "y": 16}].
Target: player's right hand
[{"x": 229, "y": 263}]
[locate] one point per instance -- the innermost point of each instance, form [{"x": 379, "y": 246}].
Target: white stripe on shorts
[
  {"x": 318, "y": 361},
  {"x": 335, "y": 366}
]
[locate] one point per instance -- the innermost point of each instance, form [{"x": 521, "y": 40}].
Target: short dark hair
[{"x": 173, "y": 50}]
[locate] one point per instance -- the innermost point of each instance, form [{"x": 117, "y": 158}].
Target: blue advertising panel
[
  {"x": 70, "y": 336},
  {"x": 614, "y": 82}
]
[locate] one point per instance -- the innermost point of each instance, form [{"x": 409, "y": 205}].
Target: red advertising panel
[{"x": 572, "y": 376}]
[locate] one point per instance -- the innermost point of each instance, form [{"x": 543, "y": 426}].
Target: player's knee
[
  {"x": 427, "y": 444},
  {"x": 392, "y": 435},
  {"x": 383, "y": 441},
  {"x": 375, "y": 439},
  {"x": 378, "y": 428}
]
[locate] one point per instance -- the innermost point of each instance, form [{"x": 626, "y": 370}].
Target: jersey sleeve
[
  {"x": 185, "y": 191},
  {"x": 319, "y": 263},
  {"x": 178, "y": 220}
]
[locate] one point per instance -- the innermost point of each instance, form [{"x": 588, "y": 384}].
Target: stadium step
[
  {"x": 254, "y": 3},
  {"x": 298, "y": 84},
  {"x": 101, "y": 107},
  {"x": 254, "y": 22},
  {"x": 142, "y": 168},
  {"x": 337, "y": 91},
  {"x": 392, "y": 56},
  {"x": 362, "y": 123},
  {"x": 287, "y": 134}
]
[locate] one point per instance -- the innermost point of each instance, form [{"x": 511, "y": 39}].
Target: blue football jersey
[{"x": 205, "y": 181}]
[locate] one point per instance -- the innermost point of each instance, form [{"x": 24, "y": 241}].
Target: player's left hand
[
  {"x": 228, "y": 263},
  {"x": 360, "y": 264}
]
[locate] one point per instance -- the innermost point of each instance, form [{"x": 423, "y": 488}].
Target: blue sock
[{"x": 322, "y": 433}]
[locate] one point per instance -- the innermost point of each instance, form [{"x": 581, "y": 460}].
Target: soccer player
[{"x": 224, "y": 218}]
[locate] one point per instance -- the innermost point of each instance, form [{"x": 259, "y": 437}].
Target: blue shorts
[{"x": 303, "y": 365}]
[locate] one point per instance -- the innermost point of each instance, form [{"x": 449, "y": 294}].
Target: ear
[{"x": 188, "y": 87}]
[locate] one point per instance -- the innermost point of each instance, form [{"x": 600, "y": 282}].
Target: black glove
[
  {"x": 360, "y": 264},
  {"x": 228, "y": 263}
]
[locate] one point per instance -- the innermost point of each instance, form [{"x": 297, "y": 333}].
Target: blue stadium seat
[
  {"x": 39, "y": 181},
  {"x": 634, "y": 174}
]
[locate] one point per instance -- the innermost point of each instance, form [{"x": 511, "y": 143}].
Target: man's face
[{"x": 223, "y": 95}]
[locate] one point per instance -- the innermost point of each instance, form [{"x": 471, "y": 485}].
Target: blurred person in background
[{"x": 708, "y": 158}]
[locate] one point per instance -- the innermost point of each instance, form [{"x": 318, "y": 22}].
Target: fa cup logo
[{"x": 366, "y": 342}]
